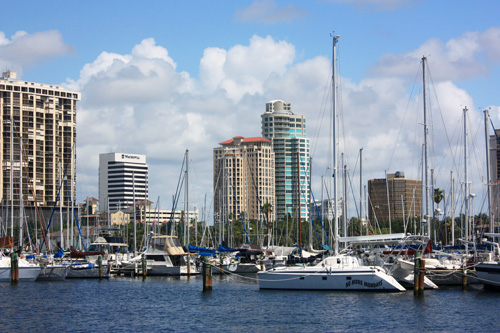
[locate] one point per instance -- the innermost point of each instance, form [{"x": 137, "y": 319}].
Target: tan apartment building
[
  {"x": 243, "y": 179},
  {"x": 38, "y": 134},
  {"x": 396, "y": 196}
]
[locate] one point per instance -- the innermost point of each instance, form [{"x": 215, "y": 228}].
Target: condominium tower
[
  {"x": 121, "y": 178},
  {"x": 38, "y": 134},
  {"x": 287, "y": 131},
  {"x": 244, "y": 179}
]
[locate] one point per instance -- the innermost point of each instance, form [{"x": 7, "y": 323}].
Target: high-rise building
[
  {"x": 494, "y": 152},
  {"x": 38, "y": 134},
  {"x": 121, "y": 178},
  {"x": 244, "y": 179},
  {"x": 396, "y": 197},
  {"x": 287, "y": 131}
]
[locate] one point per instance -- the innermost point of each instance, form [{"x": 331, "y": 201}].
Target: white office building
[{"x": 121, "y": 178}]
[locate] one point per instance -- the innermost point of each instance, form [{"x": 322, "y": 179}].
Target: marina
[{"x": 236, "y": 304}]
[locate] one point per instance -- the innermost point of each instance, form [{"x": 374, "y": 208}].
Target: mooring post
[
  {"x": 14, "y": 267},
  {"x": 189, "y": 264},
  {"x": 221, "y": 264},
  {"x": 464, "y": 274},
  {"x": 144, "y": 267},
  {"x": 99, "y": 264},
  {"x": 207, "y": 275},
  {"x": 422, "y": 277},
  {"x": 416, "y": 274}
]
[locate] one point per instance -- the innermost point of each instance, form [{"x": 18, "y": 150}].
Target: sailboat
[{"x": 342, "y": 271}]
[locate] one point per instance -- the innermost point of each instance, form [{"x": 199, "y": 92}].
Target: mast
[
  {"x": 12, "y": 179},
  {"x": 186, "y": 227},
  {"x": 299, "y": 210},
  {"x": 21, "y": 204},
  {"x": 488, "y": 177},
  {"x": 135, "y": 219},
  {"x": 426, "y": 151},
  {"x": 452, "y": 202},
  {"x": 466, "y": 181},
  {"x": 61, "y": 191},
  {"x": 361, "y": 192},
  {"x": 334, "y": 127}
]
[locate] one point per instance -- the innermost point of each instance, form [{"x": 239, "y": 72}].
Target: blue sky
[{"x": 158, "y": 77}]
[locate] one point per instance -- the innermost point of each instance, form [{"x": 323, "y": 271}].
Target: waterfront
[{"x": 235, "y": 304}]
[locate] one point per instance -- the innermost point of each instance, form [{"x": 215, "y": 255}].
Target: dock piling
[
  {"x": 207, "y": 275},
  {"x": 14, "y": 267}
]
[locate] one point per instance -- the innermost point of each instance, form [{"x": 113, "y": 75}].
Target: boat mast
[
  {"x": 488, "y": 179},
  {"x": 334, "y": 127},
  {"x": 135, "y": 219},
  {"x": 466, "y": 181},
  {"x": 426, "y": 151},
  {"x": 186, "y": 227},
  {"x": 12, "y": 179},
  {"x": 361, "y": 192}
]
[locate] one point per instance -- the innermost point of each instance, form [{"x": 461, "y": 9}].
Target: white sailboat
[
  {"x": 27, "y": 271},
  {"x": 340, "y": 271}
]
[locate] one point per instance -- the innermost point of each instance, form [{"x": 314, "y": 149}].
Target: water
[{"x": 235, "y": 304}]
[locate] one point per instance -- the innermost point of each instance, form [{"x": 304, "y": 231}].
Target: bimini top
[{"x": 169, "y": 244}]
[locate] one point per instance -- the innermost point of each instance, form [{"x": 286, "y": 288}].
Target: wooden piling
[
  {"x": 416, "y": 274},
  {"x": 99, "y": 264},
  {"x": 422, "y": 277},
  {"x": 207, "y": 275},
  {"x": 188, "y": 264},
  {"x": 144, "y": 267},
  {"x": 14, "y": 268},
  {"x": 464, "y": 275}
]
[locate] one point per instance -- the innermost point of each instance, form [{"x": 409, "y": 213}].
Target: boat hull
[
  {"x": 26, "y": 274},
  {"x": 87, "y": 271},
  {"x": 366, "y": 279},
  {"x": 488, "y": 273},
  {"x": 53, "y": 273}
]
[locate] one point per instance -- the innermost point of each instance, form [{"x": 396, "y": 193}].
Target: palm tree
[{"x": 438, "y": 197}]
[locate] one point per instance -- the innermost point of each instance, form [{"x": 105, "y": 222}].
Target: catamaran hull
[
  {"x": 243, "y": 268},
  {"x": 26, "y": 274},
  {"x": 53, "y": 273},
  {"x": 365, "y": 279},
  {"x": 163, "y": 270},
  {"x": 87, "y": 271},
  {"x": 488, "y": 273}
]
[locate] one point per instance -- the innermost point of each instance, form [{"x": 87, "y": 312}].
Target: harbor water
[{"x": 235, "y": 304}]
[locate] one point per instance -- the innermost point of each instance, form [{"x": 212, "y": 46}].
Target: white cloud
[
  {"x": 267, "y": 12},
  {"x": 459, "y": 58},
  {"x": 380, "y": 5},
  {"x": 24, "y": 50},
  {"x": 140, "y": 103}
]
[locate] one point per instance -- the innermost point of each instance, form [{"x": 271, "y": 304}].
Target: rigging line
[
  {"x": 474, "y": 140},
  {"x": 180, "y": 181},
  {"x": 441, "y": 114},
  {"x": 324, "y": 109},
  {"x": 54, "y": 207},
  {"x": 25, "y": 162},
  {"x": 239, "y": 211},
  {"x": 404, "y": 118},
  {"x": 74, "y": 213},
  {"x": 257, "y": 192},
  {"x": 309, "y": 210}
]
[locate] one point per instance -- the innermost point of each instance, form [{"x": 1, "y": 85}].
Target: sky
[{"x": 160, "y": 77}]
